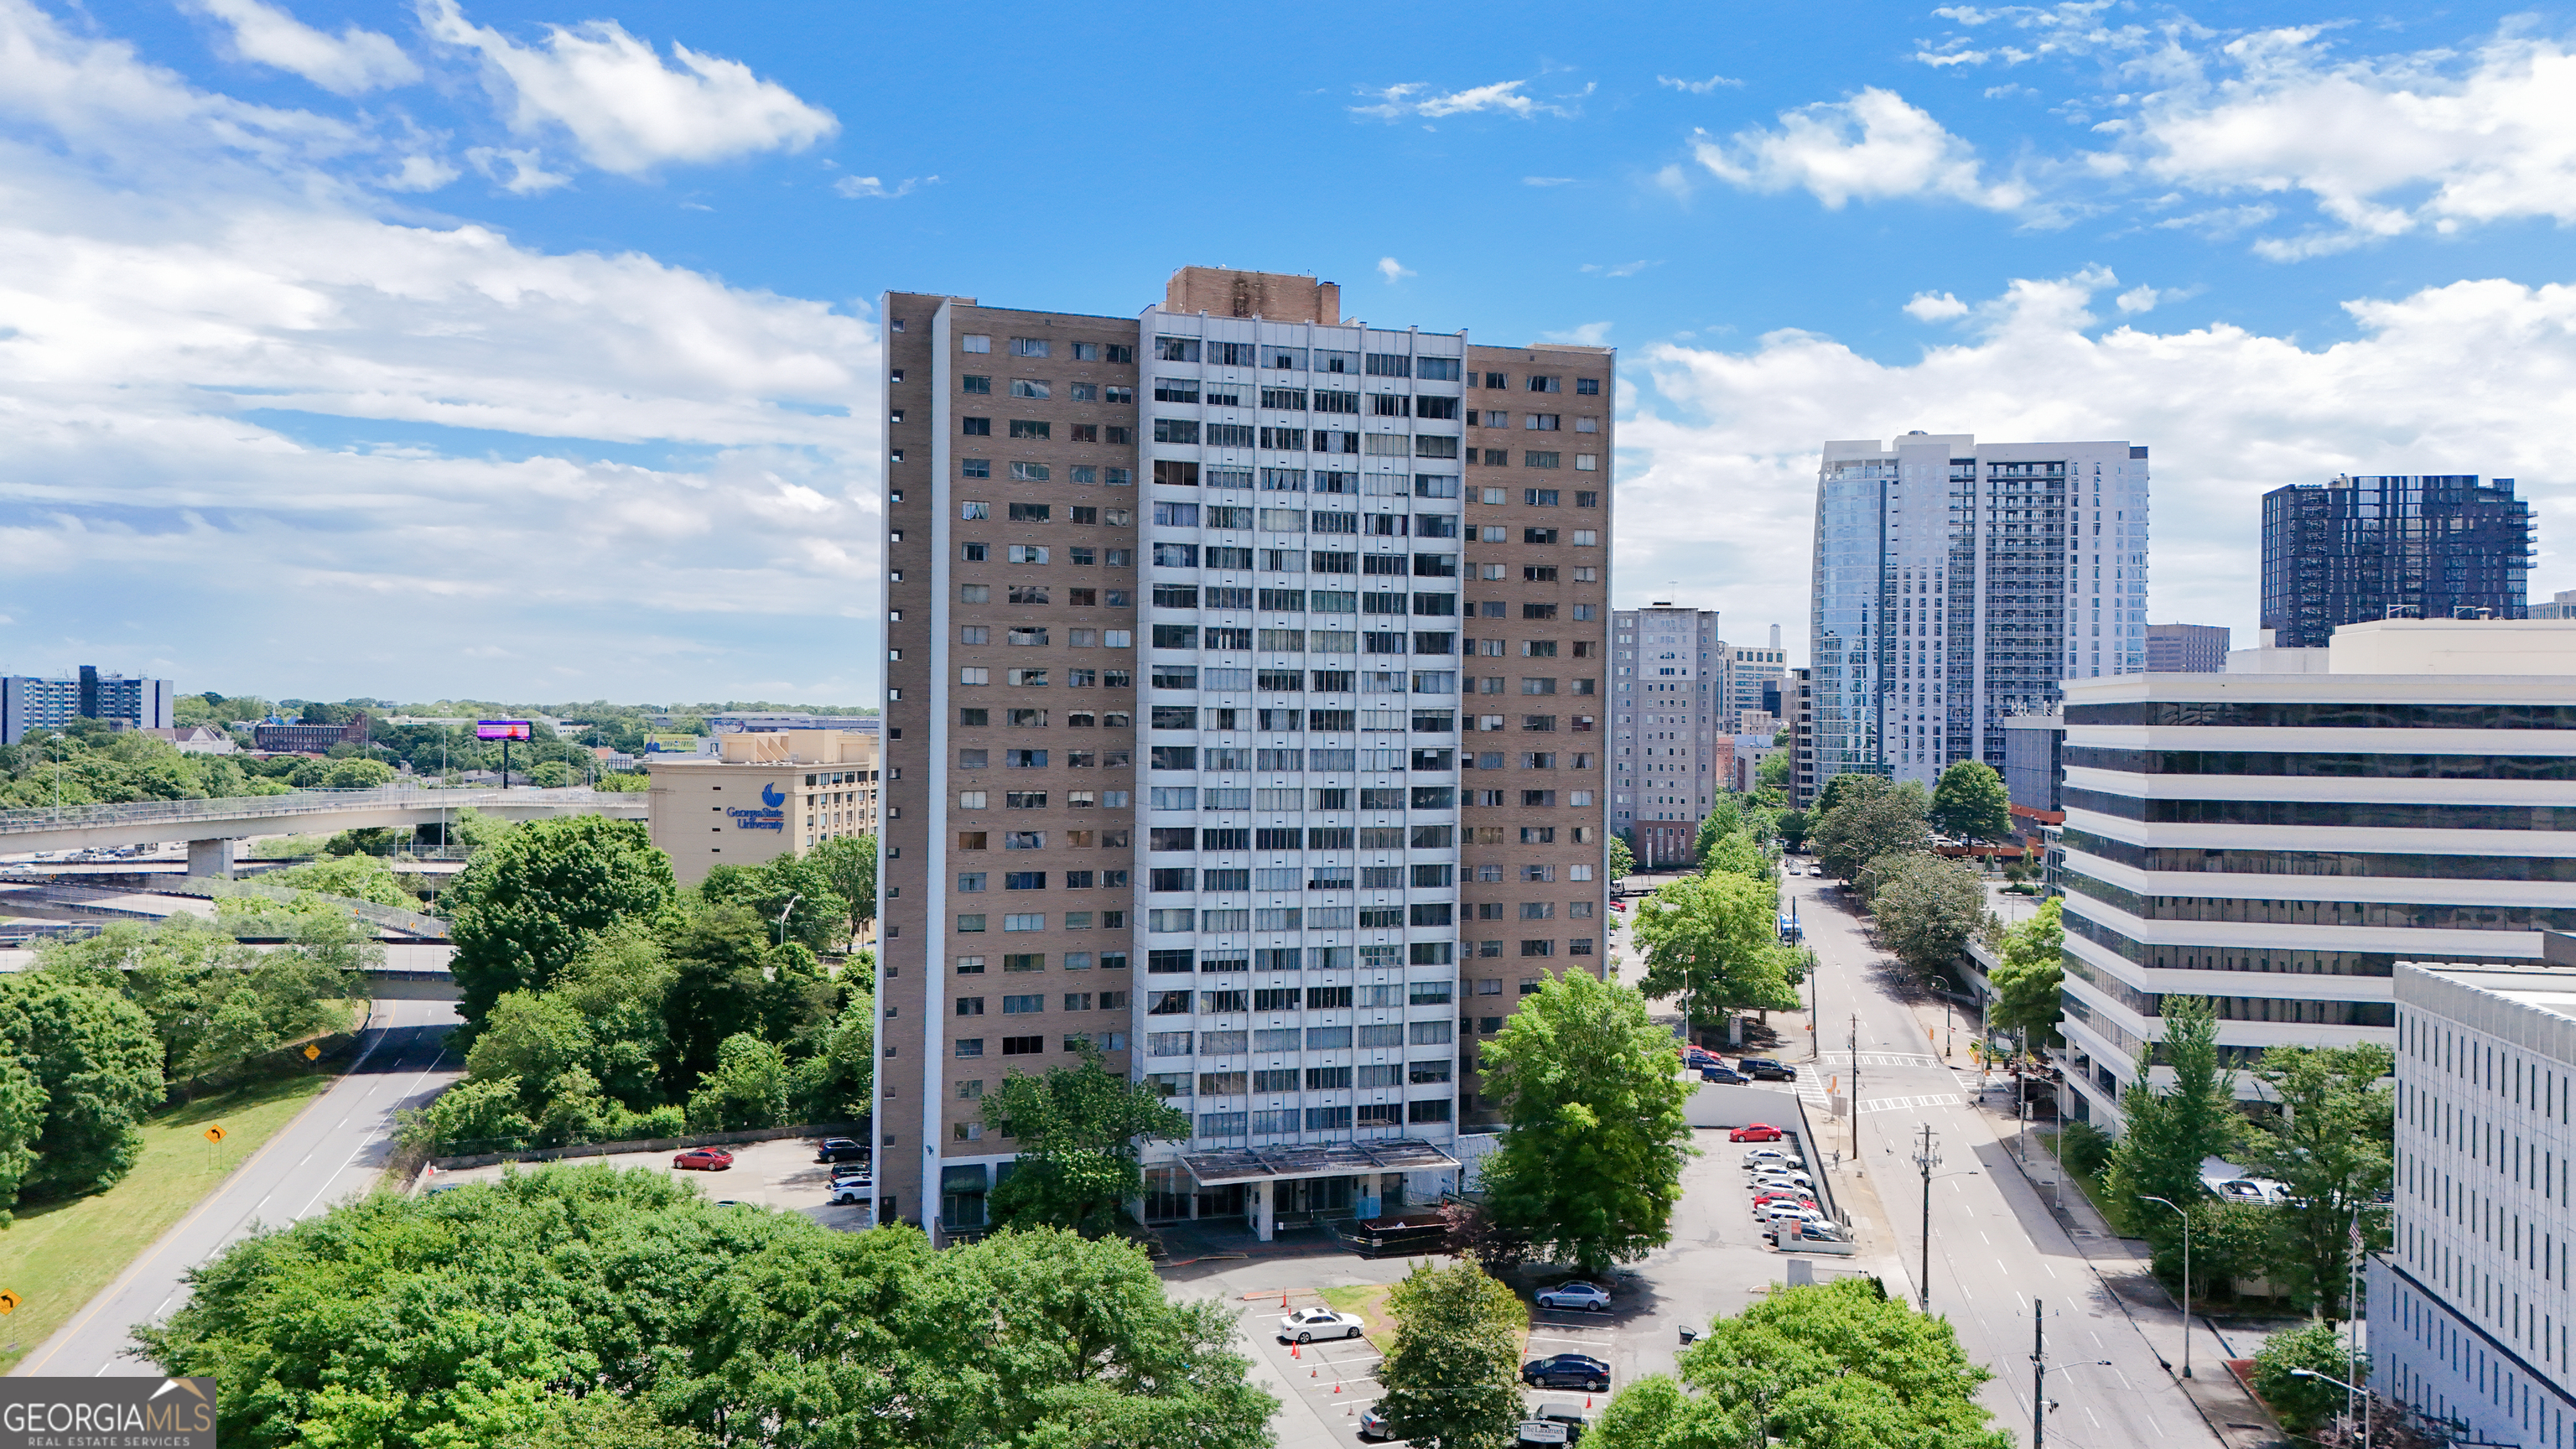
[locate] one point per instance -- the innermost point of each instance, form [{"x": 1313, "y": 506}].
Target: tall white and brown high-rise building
[{"x": 1243, "y": 723}]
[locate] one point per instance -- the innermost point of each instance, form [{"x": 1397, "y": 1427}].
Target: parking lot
[
  {"x": 781, "y": 1174},
  {"x": 1335, "y": 1381}
]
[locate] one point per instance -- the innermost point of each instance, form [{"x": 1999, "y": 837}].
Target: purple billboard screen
[{"x": 502, "y": 729}]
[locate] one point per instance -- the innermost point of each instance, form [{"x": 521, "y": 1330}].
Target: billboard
[{"x": 502, "y": 729}]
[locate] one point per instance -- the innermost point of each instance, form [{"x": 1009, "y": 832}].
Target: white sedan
[
  {"x": 1308, "y": 1324},
  {"x": 1590, "y": 1297}
]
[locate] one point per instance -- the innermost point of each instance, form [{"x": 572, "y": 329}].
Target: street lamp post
[
  {"x": 2350, "y": 1390},
  {"x": 1927, "y": 1157},
  {"x": 2186, "y": 1273}
]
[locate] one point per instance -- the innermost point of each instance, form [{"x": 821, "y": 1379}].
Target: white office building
[
  {"x": 2469, "y": 1308},
  {"x": 1958, "y": 582},
  {"x": 1668, "y": 712},
  {"x": 2278, "y": 841}
]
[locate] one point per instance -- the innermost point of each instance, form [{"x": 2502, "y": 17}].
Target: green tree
[
  {"x": 849, "y": 865},
  {"x": 1594, "y": 1138},
  {"x": 22, "y": 1125},
  {"x": 1080, "y": 1131},
  {"x": 1925, "y": 910},
  {"x": 728, "y": 980},
  {"x": 2329, "y": 1140},
  {"x": 212, "y": 1001},
  {"x": 524, "y": 904},
  {"x": 747, "y": 1089},
  {"x": 554, "y": 775},
  {"x": 1969, "y": 802},
  {"x": 1869, "y": 819},
  {"x": 1773, "y": 772},
  {"x": 797, "y": 887},
  {"x": 2028, "y": 979},
  {"x": 95, "y": 1055},
  {"x": 461, "y": 1318},
  {"x": 358, "y": 774},
  {"x": 1452, "y": 1373},
  {"x": 2170, "y": 1132},
  {"x": 1826, "y": 1366},
  {"x": 833, "y": 1084},
  {"x": 1724, "y": 818},
  {"x": 1738, "y": 853},
  {"x": 358, "y": 877},
  {"x": 1793, "y": 826},
  {"x": 1623, "y": 861},
  {"x": 2304, "y": 1403},
  {"x": 1714, "y": 941},
  {"x": 472, "y": 1116}
]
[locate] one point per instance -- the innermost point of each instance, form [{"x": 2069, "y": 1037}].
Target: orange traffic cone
[
  {"x": 1314, "y": 1373},
  {"x": 1292, "y": 1351},
  {"x": 1587, "y": 1401},
  {"x": 1283, "y": 1297},
  {"x": 1337, "y": 1387}
]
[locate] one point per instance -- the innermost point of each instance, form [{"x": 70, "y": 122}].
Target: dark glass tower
[{"x": 2362, "y": 548}]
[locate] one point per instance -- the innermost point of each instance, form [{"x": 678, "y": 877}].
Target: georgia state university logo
[
  {"x": 771, "y": 796},
  {"x": 768, "y": 817}
]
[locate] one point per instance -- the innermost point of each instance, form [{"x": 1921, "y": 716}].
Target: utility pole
[
  {"x": 1927, "y": 1158},
  {"x": 1855, "y": 1096},
  {"x": 2038, "y": 1376}
]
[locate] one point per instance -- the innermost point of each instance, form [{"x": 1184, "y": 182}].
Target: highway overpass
[{"x": 210, "y": 826}]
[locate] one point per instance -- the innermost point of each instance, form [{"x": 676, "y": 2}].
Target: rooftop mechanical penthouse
[{"x": 1244, "y": 724}]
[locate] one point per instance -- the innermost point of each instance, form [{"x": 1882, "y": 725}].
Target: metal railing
[{"x": 299, "y": 802}]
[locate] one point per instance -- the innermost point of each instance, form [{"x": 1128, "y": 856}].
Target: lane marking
[{"x": 126, "y": 1280}]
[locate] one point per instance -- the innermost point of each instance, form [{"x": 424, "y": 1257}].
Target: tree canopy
[
  {"x": 214, "y": 1003},
  {"x": 524, "y": 904},
  {"x": 476, "y": 1316},
  {"x": 1969, "y": 802},
  {"x": 1925, "y": 908},
  {"x": 1863, "y": 817},
  {"x": 798, "y": 887},
  {"x": 1834, "y": 1365},
  {"x": 849, "y": 865},
  {"x": 1714, "y": 941},
  {"x": 2028, "y": 979},
  {"x": 94, "y": 1056},
  {"x": 2329, "y": 1139},
  {"x": 1452, "y": 1373},
  {"x": 1080, "y": 1130},
  {"x": 1594, "y": 1139},
  {"x": 2170, "y": 1131}
]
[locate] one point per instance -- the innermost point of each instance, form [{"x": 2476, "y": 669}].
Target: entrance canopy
[{"x": 1341, "y": 1159}]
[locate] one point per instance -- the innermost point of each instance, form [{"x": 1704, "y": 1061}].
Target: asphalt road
[
  {"x": 1995, "y": 1246},
  {"x": 332, "y": 1150}
]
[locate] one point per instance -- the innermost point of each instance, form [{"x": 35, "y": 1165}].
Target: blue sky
[{"x": 519, "y": 350}]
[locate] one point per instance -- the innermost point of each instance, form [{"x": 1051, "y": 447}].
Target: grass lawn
[
  {"x": 57, "y": 1256},
  {"x": 1368, "y": 1300}
]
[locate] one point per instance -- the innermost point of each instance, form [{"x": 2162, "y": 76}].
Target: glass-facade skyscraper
[
  {"x": 2391, "y": 547},
  {"x": 1957, "y": 583}
]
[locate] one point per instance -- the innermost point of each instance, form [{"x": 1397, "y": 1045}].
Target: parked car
[
  {"x": 1372, "y": 1424},
  {"x": 851, "y": 1191},
  {"x": 1590, "y": 1297},
  {"x": 1798, "y": 1180},
  {"x": 1764, "y": 1069},
  {"x": 852, "y": 1171},
  {"x": 841, "y": 1149},
  {"x": 1567, "y": 1371},
  {"x": 1770, "y": 1154},
  {"x": 1308, "y": 1324},
  {"x": 1756, "y": 1132},
  {"x": 1721, "y": 1073},
  {"x": 703, "y": 1159}
]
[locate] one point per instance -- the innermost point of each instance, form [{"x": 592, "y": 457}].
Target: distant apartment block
[
  {"x": 1957, "y": 583},
  {"x": 1244, "y": 725},
  {"x": 2561, "y": 605},
  {"x": 2187, "y": 648},
  {"x": 30, "y": 702},
  {"x": 2358, "y": 548}
]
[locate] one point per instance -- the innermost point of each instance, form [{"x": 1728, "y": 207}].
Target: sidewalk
[{"x": 2123, "y": 1267}]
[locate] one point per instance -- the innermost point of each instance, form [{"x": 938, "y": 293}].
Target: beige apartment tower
[
  {"x": 761, "y": 796},
  {"x": 1243, "y": 725}
]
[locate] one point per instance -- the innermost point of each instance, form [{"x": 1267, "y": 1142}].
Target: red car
[
  {"x": 703, "y": 1159},
  {"x": 1806, "y": 1199},
  {"x": 1755, "y": 1132}
]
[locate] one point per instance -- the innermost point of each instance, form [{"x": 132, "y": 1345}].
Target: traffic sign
[
  {"x": 214, "y": 1132},
  {"x": 311, "y": 1051},
  {"x": 8, "y": 1301}
]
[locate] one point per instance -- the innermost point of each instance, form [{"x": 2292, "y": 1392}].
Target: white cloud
[
  {"x": 418, "y": 172},
  {"x": 626, "y": 110},
  {"x": 1418, "y": 99},
  {"x": 1698, "y": 88},
  {"x": 1621, "y": 269},
  {"x": 871, "y": 187},
  {"x": 2384, "y": 147},
  {"x": 1588, "y": 334},
  {"x": 2137, "y": 299},
  {"x": 1872, "y": 147},
  {"x": 1393, "y": 270},
  {"x": 2447, "y": 379},
  {"x": 521, "y": 173},
  {"x": 1547, "y": 181},
  {"x": 1935, "y": 307},
  {"x": 234, "y": 384},
  {"x": 351, "y": 63}
]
